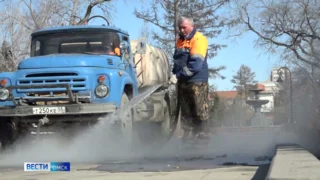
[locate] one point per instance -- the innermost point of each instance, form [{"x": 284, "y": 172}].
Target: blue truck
[{"x": 79, "y": 75}]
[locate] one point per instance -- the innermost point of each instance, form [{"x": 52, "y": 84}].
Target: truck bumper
[{"x": 58, "y": 110}]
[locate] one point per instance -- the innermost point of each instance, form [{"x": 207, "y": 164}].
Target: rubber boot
[{"x": 201, "y": 133}]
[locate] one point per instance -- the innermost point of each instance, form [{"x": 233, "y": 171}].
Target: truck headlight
[
  {"x": 101, "y": 91},
  {"x": 4, "y": 94}
]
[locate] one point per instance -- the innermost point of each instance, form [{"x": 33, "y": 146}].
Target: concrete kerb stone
[{"x": 292, "y": 162}]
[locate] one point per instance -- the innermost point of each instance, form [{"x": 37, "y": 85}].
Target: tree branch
[
  {"x": 277, "y": 43},
  {"x": 89, "y": 10},
  {"x": 29, "y": 6}
]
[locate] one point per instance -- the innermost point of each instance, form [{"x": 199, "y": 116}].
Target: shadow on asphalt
[{"x": 261, "y": 172}]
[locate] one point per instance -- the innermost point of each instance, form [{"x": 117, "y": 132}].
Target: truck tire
[
  {"x": 155, "y": 135},
  {"x": 169, "y": 124},
  {"x": 8, "y": 133}
]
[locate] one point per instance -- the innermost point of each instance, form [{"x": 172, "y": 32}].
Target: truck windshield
[{"x": 101, "y": 43}]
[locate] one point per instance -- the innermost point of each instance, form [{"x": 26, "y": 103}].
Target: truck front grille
[
  {"x": 50, "y": 74},
  {"x": 76, "y": 83}
]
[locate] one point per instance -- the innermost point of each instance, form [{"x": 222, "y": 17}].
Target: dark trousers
[{"x": 194, "y": 106}]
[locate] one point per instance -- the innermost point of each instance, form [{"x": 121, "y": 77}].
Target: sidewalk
[{"x": 294, "y": 163}]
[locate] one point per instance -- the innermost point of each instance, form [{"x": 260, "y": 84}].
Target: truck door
[{"x": 127, "y": 58}]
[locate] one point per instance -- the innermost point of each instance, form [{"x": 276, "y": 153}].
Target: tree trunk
[{"x": 73, "y": 13}]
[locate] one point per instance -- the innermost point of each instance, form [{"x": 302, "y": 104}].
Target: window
[
  {"x": 101, "y": 43},
  {"x": 35, "y": 51},
  {"x": 127, "y": 50}
]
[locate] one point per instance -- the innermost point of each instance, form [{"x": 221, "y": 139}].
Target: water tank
[{"x": 152, "y": 64}]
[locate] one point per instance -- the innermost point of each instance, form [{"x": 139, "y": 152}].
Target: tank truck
[{"x": 79, "y": 75}]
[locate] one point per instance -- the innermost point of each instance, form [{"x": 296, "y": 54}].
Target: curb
[{"x": 292, "y": 162}]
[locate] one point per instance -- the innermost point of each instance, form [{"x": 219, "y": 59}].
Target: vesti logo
[
  {"x": 60, "y": 166},
  {"x": 47, "y": 166}
]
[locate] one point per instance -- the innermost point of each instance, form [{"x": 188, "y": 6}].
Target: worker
[
  {"x": 111, "y": 45},
  {"x": 115, "y": 45},
  {"x": 117, "y": 51},
  {"x": 191, "y": 70}
]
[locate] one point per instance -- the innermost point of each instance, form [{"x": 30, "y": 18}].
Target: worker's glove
[{"x": 173, "y": 79}]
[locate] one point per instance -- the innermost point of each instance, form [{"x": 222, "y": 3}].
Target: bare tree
[
  {"x": 20, "y": 18},
  {"x": 289, "y": 26},
  {"x": 164, "y": 13},
  {"x": 243, "y": 80},
  {"x": 6, "y": 57},
  {"x": 145, "y": 34}
]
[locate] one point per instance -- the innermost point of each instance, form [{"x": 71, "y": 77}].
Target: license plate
[{"x": 49, "y": 110}]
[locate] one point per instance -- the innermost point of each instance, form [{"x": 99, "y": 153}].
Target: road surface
[{"x": 228, "y": 156}]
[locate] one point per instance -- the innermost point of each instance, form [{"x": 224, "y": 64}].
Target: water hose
[{"x": 41, "y": 122}]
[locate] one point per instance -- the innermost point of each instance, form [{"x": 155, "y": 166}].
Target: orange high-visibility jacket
[{"x": 191, "y": 58}]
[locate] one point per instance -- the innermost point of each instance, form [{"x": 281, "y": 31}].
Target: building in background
[
  {"x": 275, "y": 76},
  {"x": 225, "y": 97},
  {"x": 229, "y": 96},
  {"x": 233, "y": 102}
]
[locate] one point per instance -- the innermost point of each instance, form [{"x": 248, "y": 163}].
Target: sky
[
  {"x": 233, "y": 56},
  {"x": 237, "y": 53}
]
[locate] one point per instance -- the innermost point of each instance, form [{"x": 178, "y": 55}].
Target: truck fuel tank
[{"x": 151, "y": 109}]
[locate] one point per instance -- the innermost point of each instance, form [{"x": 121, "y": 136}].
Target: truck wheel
[
  {"x": 126, "y": 120},
  {"x": 168, "y": 126},
  {"x": 8, "y": 133},
  {"x": 155, "y": 135}
]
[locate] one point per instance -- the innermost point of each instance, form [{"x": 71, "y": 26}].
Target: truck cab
[{"x": 77, "y": 74}]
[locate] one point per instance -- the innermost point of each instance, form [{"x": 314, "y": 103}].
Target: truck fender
[{"x": 127, "y": 81}]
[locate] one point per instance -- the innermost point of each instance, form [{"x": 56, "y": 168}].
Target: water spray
[{"x": 41, "y": 122}]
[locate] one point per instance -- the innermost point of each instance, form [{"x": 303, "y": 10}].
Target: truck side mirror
[
  {"x": 124, "y": 50},
  {"x": 123, "y": 46}
]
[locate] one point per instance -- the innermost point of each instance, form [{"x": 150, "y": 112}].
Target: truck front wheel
[{"x": 8, "y": 133}]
